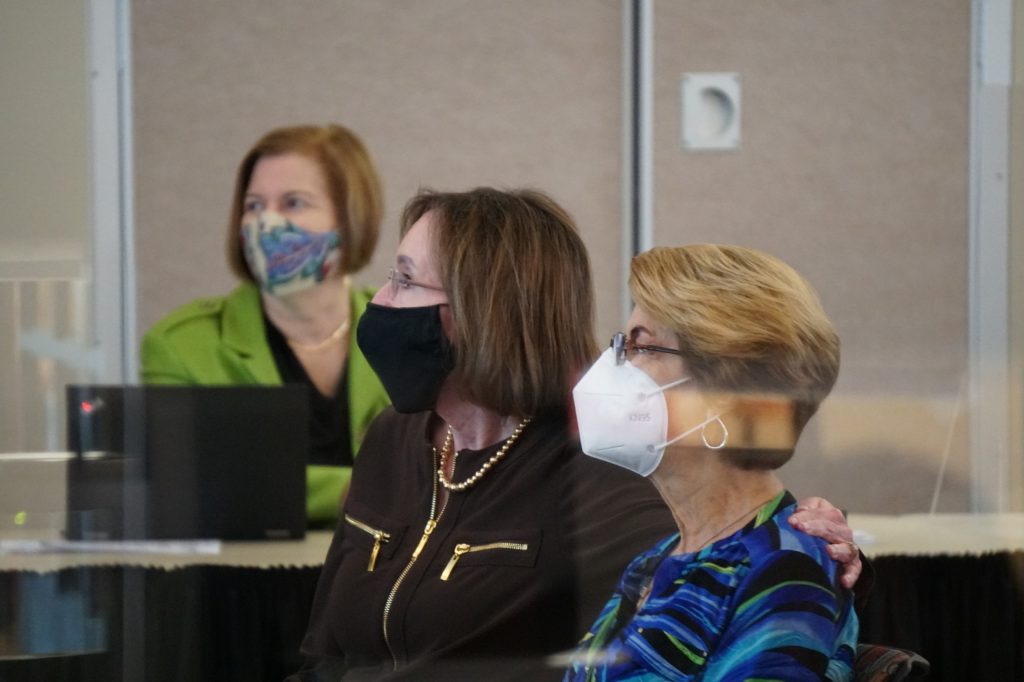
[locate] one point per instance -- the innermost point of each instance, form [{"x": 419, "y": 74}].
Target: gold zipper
[
  {"x": 463, "y": 548},
  {"x": 379, "y": 538},
  {"x": 431, "y": 524}
]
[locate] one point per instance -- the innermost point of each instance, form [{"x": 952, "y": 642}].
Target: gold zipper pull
[
  {"x": 378, "y": 540},
  {"x": 423, "y": 539},
  {"x": 460, "y": 549}
]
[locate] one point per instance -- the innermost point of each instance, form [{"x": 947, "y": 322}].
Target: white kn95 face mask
[{"x": 623, "y": 416}]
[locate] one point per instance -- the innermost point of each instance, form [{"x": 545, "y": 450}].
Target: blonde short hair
[
  {"x": 746, "y": 322},
  {"x": 518, "y": 281},
  {"x": 351, "y": 181}
]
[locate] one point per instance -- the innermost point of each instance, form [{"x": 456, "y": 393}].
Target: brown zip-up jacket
[{"x": 542, "y": 539}]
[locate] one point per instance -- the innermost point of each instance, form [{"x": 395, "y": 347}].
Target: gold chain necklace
[
  {"x": 711, "y": 538},
  {"x": 646, "y": 591},
  {"x": 333, "y": 338},
  {"x": 446, "y": 448}
]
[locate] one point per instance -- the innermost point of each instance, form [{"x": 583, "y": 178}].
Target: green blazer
[{"x": 222, "y": 341}]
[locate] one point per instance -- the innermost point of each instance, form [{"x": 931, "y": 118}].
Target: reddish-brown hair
[{"x": 350, "y": 177}]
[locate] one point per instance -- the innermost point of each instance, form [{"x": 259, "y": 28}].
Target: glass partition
[
  {"x": 49, "y": 336},
  {"x": 842, "y": 137}
]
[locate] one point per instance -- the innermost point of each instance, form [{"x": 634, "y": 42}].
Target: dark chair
[{"x": 880, "y": 663}]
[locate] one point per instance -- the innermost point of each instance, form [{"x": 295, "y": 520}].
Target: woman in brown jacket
[{"x": 477, "y": 539}]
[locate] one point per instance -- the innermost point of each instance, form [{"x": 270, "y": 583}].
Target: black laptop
[{"x": 187, "y": 462}]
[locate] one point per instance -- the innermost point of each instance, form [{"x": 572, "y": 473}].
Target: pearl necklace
[
  {"x": 446, "y": 450},
  {"x": 333, "y": 338}
]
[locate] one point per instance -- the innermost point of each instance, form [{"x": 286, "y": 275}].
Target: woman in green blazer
[{"x": 305, "y": 214}]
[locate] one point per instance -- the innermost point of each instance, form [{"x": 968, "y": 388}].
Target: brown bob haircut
[
  {"x": 351, "y": 180},
  {"x": 518, "y": 281},
  {"x": 746, "y": 322}
]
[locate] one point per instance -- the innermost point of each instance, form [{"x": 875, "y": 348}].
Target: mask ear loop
[
  {"x": 662, "y": 389},
  {"x": 686, "y": 433},
  {"x": 704, "y": 437}
]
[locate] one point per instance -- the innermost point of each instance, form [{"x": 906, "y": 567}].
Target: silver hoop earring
[{"x": 725, "y": 435}]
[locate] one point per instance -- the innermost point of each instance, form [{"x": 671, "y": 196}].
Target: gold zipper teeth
[
  {"x": 387, "y": 607},
  {"x": 379, "y": 538},
  {"x": 463, "y": 548},
  {"x": 431, "y": 524}
]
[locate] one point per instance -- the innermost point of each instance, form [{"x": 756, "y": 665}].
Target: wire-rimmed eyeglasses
[
  {"x": 622, "y": 345},
  {"x": 400, "y": 283}
]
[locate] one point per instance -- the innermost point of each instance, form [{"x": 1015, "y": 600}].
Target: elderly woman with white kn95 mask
[{"x": 726, "y": 356}]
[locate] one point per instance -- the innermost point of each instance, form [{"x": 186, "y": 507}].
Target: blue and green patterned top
[{"x": 762, "y": 604}]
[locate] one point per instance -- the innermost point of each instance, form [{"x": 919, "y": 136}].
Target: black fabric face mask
[{"x": 409, "y": 351}]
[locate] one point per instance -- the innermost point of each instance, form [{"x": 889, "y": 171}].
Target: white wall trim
[
  {"x": 989, "y": 277},
  {"x": 108, "y": 106},
  {"x": 645, "y": 109},
  {"x": 628, "y": 113},
  {"x": 638, "y": 136},
  {"x": 126, "y": 128}
]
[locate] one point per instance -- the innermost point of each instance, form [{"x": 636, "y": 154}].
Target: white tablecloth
[
  {"x": 926, "y": 534},
  {"x": 265, "y": 554}
]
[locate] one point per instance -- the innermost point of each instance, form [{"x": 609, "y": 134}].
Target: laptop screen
[{"x": 173, "y": 462}]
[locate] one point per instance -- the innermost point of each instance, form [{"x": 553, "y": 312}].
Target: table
[
  {"x": 951, "y": 587},
  {"x": 236, "y": 615}
]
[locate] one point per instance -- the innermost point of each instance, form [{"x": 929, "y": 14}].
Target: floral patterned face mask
[{"x": 285, "y": 258}]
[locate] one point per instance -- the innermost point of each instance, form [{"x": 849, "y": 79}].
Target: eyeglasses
[
  {"x": 400, "y": 283},
  {"x": 622, "y": 346}
]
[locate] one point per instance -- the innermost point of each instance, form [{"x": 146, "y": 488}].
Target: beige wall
[
  {"x": 45, "y": 236},
  {"x": 44, "y": 126},
  {"x": 446, "y": 93},
  {"x": 1017, "y": 262},
  {"x": 853, "y": 165}
]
